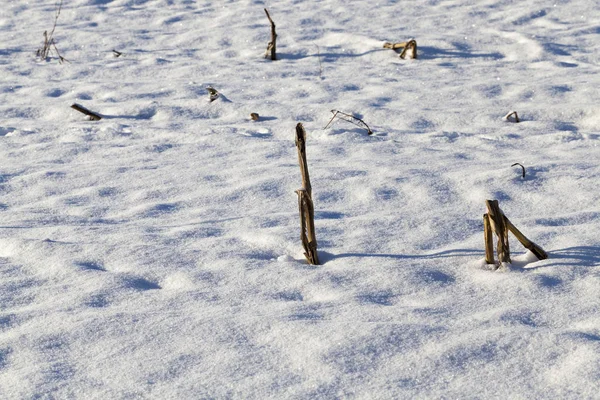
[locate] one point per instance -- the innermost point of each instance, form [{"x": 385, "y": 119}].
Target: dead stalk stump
[
  {"x": 495, "y": 221},
  {"x": 307, "y": 227},
  {"x": 272, "y": 45},
  {"x": 488, "y": 239},
  {"x": 301, "y": 146},
  {"x": 409, "y": 48},
  {"x": 305, "y": 203}
]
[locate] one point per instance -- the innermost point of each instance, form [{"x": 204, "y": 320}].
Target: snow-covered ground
[{"x": 156, "y": 253}]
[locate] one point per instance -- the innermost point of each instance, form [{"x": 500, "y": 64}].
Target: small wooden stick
[
  {"x": 528, "y": 244},
  {"x": 117, "y": 53},
  {"x": 272, "y": 45},
  {"x": 93, "y": 116},
  {"x": 488, "y": 239},
  {"x": 511, "y": 114},
  {"x": 496, "y": 218},
  {"x": 301, "y": 146},
  {"x": 307, "y": 226}
]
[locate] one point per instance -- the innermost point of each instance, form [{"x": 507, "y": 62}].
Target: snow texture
[{"x": 156, "y": 253}]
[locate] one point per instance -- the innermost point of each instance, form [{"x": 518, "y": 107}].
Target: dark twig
[
  {"x": 349, "y": 118},
  {"x": 521, "y": 165},
  {"x": 117, "y": 53},
  {"x": 93, "y": 116},
  {"x": 212, "y": 93}
]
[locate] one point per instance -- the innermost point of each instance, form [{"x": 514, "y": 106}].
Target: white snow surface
[{"x": 156, "y": 253}]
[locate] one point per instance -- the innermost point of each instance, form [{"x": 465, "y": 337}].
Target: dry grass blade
[
  {"x": 349, "y": 118},
  {"x": 49, "y": 43},
  {"x": 320, "y": 64}
]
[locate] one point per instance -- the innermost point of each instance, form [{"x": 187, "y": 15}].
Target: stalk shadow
[
  {"x": 577, "y": 256},
  {"x": 430, "y": 53},
  {"x": 424, "y": 53},
  {"x": 325, "y": 256},
  {"x": 266, "y": 118},
  {"x": 329, "y": 56}
]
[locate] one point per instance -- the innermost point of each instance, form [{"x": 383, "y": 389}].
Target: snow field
[{"x": 156, "y": 253}]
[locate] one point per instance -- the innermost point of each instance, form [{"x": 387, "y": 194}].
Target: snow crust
[{"x": 156, "y": 253}]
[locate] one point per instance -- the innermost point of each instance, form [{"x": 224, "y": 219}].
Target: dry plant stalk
[
  {"x": 49, "y": 43},
  {"x": 93, "y": 116},
  {"x": 512, "y": 117},
  {"x": 496, "y": 219},
  {"x": 254, "y": 116},
  {"x": 272, "y": 45},
  {"x": 305, "y": 203},
  {"x": 301, "y": 146},
  {"x": 117, "y": 54},
  {"x": 409, "y": 48},
  {"x": 349, "y": 118},
  {"x": 307, "y": 227},
  {"x": 488, "y": 238},
  {"x": 528, "y": 244}
]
